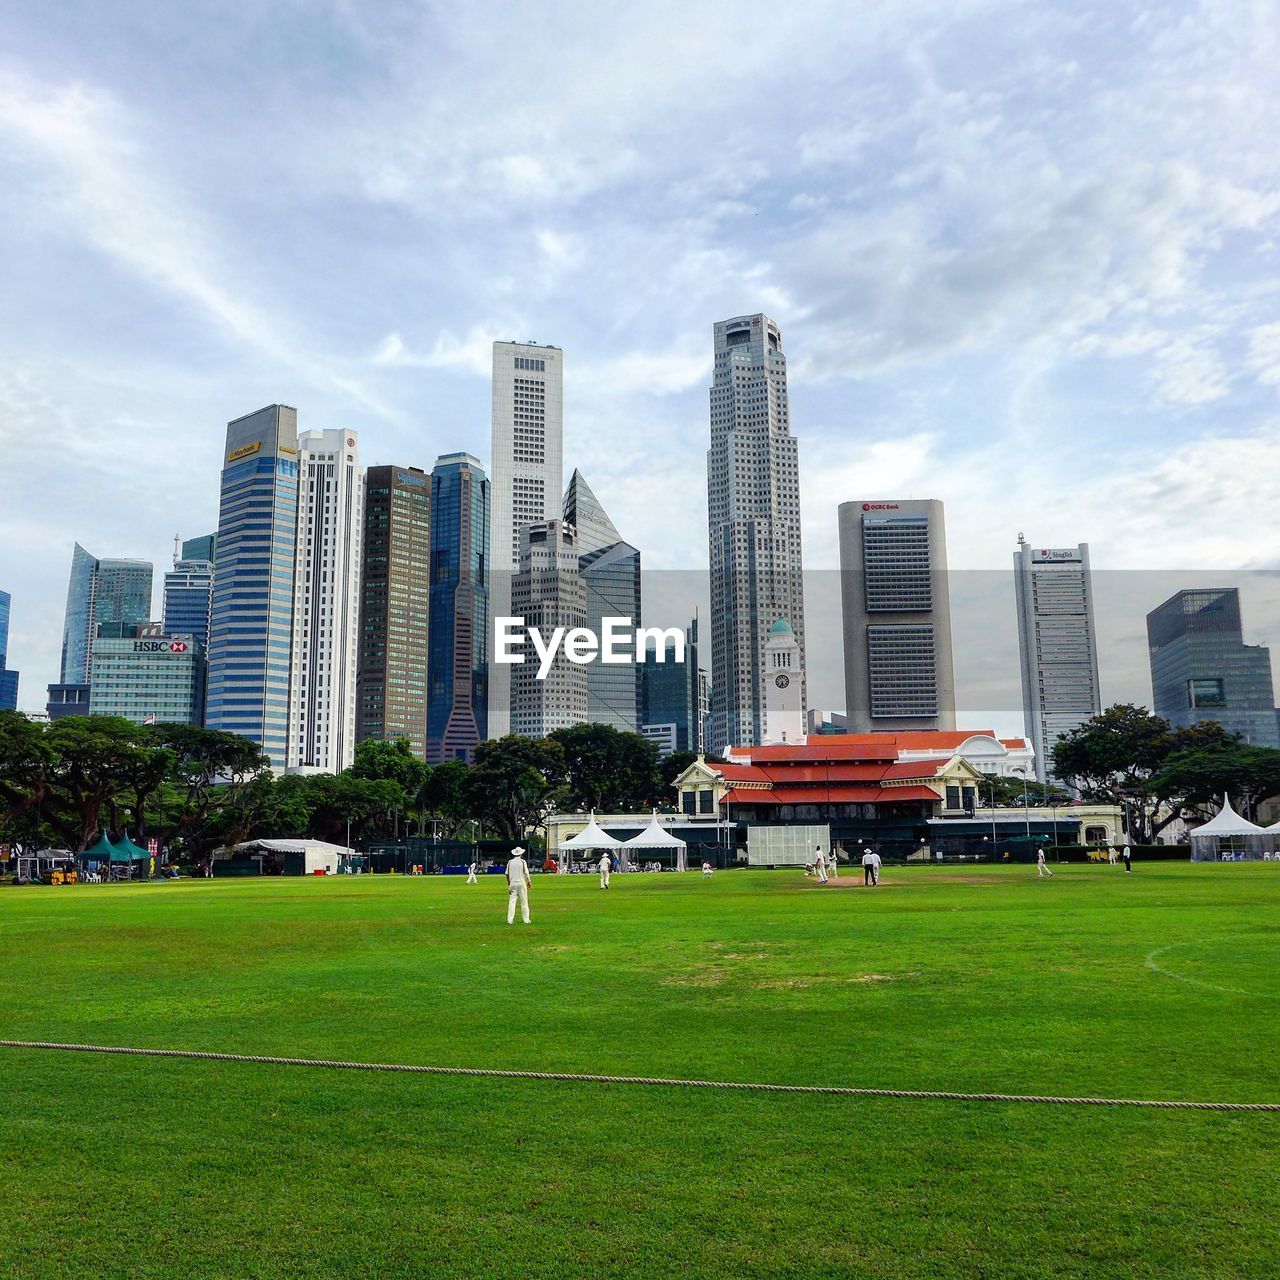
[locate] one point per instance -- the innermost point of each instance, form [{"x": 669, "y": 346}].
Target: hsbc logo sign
[
  {"x": 880, "y": 506},
  {"x": 160, "y": 646}
]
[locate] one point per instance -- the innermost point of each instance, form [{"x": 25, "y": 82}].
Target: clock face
[{"x": 782, "y": 681}]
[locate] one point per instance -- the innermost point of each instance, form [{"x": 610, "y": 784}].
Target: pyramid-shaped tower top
[{"x": 582, "y": 509}]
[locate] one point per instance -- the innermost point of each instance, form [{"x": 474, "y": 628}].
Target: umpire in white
[{"x": 517, "y": 886}]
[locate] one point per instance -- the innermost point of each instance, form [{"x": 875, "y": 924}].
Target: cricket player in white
[
  {"x": 820, "y": 864},
  {"x": 1042, "y": 867},
  {"x": 833, "y": 862},
  {"x": 875, "y": 868},
  {"x": 517, "y": 886},
  {"x": 605, "y": 867},
  {"x": 471, "y": 874}
]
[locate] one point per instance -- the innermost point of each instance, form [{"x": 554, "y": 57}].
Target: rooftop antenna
[{"x": 177, "y": 548}]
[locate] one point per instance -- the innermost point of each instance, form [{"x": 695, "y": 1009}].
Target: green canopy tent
[
  {"x": 103, "y": 851},
  {"x": 126, "y": 851}
]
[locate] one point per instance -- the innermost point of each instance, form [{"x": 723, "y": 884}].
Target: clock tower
[{"x": 783, "y": 687}]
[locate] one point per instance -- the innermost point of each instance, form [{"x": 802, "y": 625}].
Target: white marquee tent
[
  {"x": 1228, "y": 837},
  {"x": 592, "y": 836},
  {"x": 653, "y": 836}
]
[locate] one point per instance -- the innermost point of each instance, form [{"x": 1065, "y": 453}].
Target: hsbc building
[{"x": 147, "y": 675}]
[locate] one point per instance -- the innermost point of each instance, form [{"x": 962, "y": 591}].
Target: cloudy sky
[{"x": 1024, "y": 257}]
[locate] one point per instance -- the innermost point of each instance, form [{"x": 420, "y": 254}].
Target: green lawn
[{"x": 1162, "y": 984}]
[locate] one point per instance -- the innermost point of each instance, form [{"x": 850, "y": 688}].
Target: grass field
[{"x": 1161, "y": 984}]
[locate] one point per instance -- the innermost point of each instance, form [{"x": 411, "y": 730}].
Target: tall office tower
[
  {"x": 326, "y": 602},
  {"x": 548, "y": 592},
  {"x": 1201, "y": 669},
  {"x": 251, "y": 623},
  {"x": 895, "y": 599},
  {"x": 204, "y": 548},
  {"x": 674, "y": 695},
  {"x": 391, "y": 680},
  {"x": 458, "y": 668},
  {"x": 100, "y": 591},
  {"x": 525, "y": 462},
  {"x": 753, "y": 513},
  {"x": 610, "y": 570},
  {"x": 1057, "y": 644},
  {"x": 147, "y": 675},
  {"x": 188, "y": 597},
  {"x": 8, "y": 678}
]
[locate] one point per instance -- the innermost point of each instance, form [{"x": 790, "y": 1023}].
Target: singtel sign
[{"x": 619, "y": 643}]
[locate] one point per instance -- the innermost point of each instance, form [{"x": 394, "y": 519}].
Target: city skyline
[{"x": 1065, "y": 326}]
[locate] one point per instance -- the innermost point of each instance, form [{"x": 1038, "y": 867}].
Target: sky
[{"x": 1024, "y": 258}]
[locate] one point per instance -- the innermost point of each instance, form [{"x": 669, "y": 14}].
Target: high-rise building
[
  {"x": 1201, "y": 669},
  {"x": 527, "y": 472},
  {"x": 204, "y": 548},
  {"x": 674, "y": 702},
  {"x": 326, "y": 602},
  {"x": 896, "y": 606},
  {"x": 394, "y": 607},
  {"x": 251, "y": 623},
  {"x": 753, "y": 513},
  {"x": 8, "y": 678},
  {"x": 610, "y": 571},
  {"x": 548, "y": 592},
  {"x": 188, "y": 596},
  {"x": 458, "y": 668},
  {"x": 1057, "y": 644},
  {"x": 147, "y": 675},
  {"x": 100, "y": 591}
]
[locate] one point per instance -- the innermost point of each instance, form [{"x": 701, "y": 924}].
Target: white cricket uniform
[
  {"x": 605, "y": 867},
  {"x": 471, "y": 874},
  {"x": 834, "y": 864},
  {"x": 706, "y": 869},
  {"x": 820, "y": 866},
  {"x": 1042, "y": 867},
  {"x": 517, "y": 889}
]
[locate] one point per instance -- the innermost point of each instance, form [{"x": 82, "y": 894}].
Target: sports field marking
[
  {"x": 569, "y": 1077},
  {"x": 1153, "y": 964}
]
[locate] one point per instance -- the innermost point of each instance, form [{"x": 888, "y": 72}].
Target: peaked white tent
[
  {"x": 592, "y": 836},
  {"x": 653, "y": 836},
  {"x": 1227, "y": 836}
]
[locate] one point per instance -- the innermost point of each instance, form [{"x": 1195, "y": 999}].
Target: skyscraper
[
  {"x": 753, "y": 513},
  {"x": 251, "y": 623},
  {"x": 458, "y": 659},
  {"x": 1056, "y": 643},
  {"x": 525, "y": 462},
  {"x": 188, "y": 595},
  {"x": 394, "y": 599},
  {"x": 202, "y": 548},
  {"x": 548, "y": 592},
  {"x": 111, "y": 591},
  {"x": 674, "y": 694},
  {"x": 1201, "y": 669},
  {"x": 326, "y": 602},
  {"x": 147, "y": 675},
  {"x": 8, "y": 678},
  {"x": 896, "y": 608},
  {"x": 610, "y": 570}
]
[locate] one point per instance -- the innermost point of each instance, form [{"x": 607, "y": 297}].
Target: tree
[
  {"x": 27, "y": 761},
  {"x": 513, "y": 782},
  {"x": 390, "y": 761},
  {"x": 1008, "y": 792},
  {"x": 368, "y": 804},
  {"x": 670, "y": 767},
  {"x": 1201, "y": 773},
  {"x": 606, "y": 769},
  {"x": 444, "y": 795}
]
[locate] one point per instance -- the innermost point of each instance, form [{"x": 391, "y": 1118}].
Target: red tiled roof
[
  {"x": 785, "y": 774},
  {"x": 832, "y": 795},
  {"x": 916, "y": 769},
  {"x": 741, "y": 773},
  {"x": 825, "y": 747}
]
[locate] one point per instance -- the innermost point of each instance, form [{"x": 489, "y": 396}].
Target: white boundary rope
[{"x": 335, "y": 1064}]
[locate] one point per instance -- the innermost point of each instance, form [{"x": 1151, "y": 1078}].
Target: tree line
[{"x": 194, "y": 789}]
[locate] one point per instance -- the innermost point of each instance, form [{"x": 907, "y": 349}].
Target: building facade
[
  {"x": 753, "y": 514},
  {"x": 98, "y": 591},
  {"x": 251, "y": 618},
  {"x": 896, "y": 612},
  {"x": 1057, "y": 644},
  {"x": 1201, "y": 669},
  {"x": 395, "y": 607},
  {"x": 784, "y": 716},
  {"x": 147, "y": 676},
  {"x": 188, "y": 599},
  {"x": 548, "y": 592},
  {"x": 673, "y": 707},
  {"x": 204, "y": 548},
  {"x": 8, "y": 677},
  {"x": 610, "y": 569},
  {"x": 326, "y": 602},
  {"x": 526, "y": 448},
  {"x": 458, "y": 667}
]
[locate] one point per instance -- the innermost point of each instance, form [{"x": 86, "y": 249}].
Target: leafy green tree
[
  {"x": 1201, "y": 773},
  {"x": 27, "y": 762},
  {"x": 607, "y": 769},
  {"x": 390, "y": 761},
  {"x": 514, "y": 783},
  {"x": 444, "y": 796},
  {"x": 371, "y": 805}
]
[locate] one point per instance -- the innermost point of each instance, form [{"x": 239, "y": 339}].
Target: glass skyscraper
[
  {"x": 458, "y": 630},
  {"x": 8, "y": 679},
  {"x": 188, "y": 591},
  {"x": 1201, "y": 669},
  {"x": 147, "y": 676},
  {"x": 673, "y": 694},
  {"x": 251, "y": 617},
  {"x": 110, "y": 591}
]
